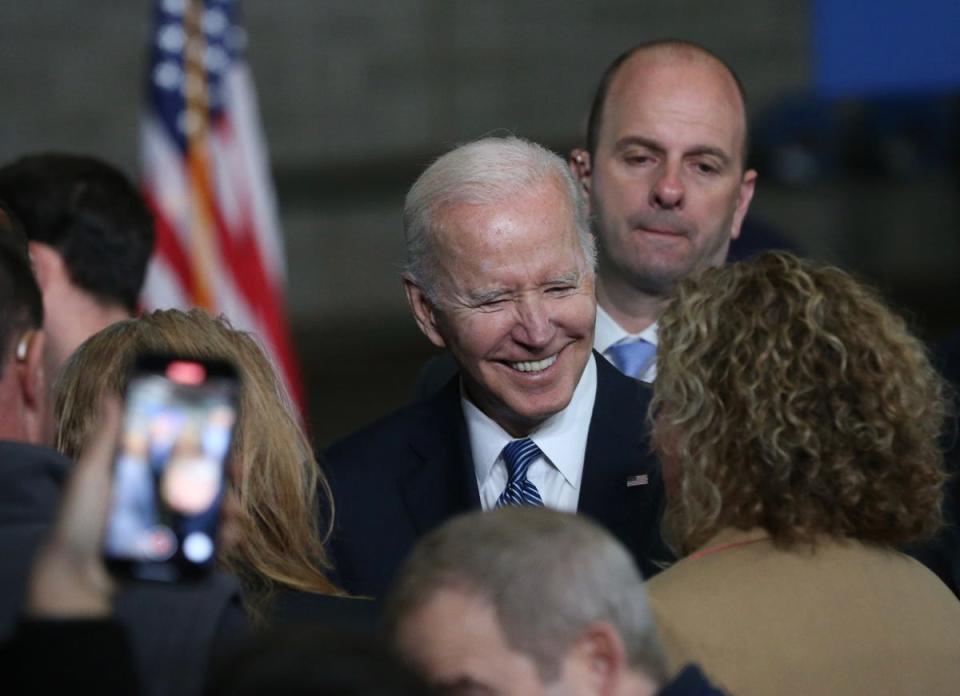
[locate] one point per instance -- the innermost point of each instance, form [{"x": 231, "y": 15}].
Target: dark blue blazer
[{"x": 404, "y": 475}]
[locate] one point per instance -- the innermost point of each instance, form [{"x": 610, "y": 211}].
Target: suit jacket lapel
[{"x": 438, "y": 481}]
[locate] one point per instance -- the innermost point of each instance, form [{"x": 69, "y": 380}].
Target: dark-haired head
[
  {"x": 91, "y": 214},
  {"x": 302, "y": 660}
]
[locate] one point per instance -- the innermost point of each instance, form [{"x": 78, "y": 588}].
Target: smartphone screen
[{"x": 170, "y": 470}]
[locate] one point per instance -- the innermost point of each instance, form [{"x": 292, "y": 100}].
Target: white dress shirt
[
  {"x": 562, "y": 440},
  {"x": 609, "y": 332}
]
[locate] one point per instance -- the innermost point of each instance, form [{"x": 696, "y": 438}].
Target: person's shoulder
[
  {"x": 395, "y": 425},
  {"x": 897, "y": 568},
  {"x": 691, "y": 681},
  {"x": 26, "y": 455},
  {"x": 435, "y": 374},
  {"x": 678, "y": 581},
  {"x": 432, "y": 415},
  {"x": 355, "y": 614},
  {"x": 615, "y": 387},
  {"x": 609, "y": 377},
  {"x": 31, "y": 476},
  {"x": 730, "y": 554},
  {"x": 396, "y": 422}
]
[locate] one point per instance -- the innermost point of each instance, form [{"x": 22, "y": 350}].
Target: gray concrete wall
[
  {"x": 358, "y": 95},
  {"x": 376, "y": 87}
]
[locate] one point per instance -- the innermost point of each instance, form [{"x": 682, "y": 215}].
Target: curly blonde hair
[
  {"x": 277, "y": 479},
  {"x": 794, "y": 400}
]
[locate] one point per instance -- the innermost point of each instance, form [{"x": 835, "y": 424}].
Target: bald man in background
[{"x": 665, "y": 172}]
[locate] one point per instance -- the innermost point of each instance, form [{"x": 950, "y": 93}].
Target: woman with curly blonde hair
[
  {"x": 277, "y": 545},
  {"x": 797, "y": 420}
]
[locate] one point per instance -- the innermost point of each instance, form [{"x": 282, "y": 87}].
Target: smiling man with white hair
[{"x": 500, "y": 270}]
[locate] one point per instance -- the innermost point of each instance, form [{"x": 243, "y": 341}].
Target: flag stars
[
  {"x": 178, "y": 121},
  {"x": 214, "y": 21},
  {"x": 168, "y": 75},
  {"x": 171, "y": 38},
  {"x": 216, "y": 59},
  {"x": 190, "y": 68},
  {"x": 174, "y": 7}
]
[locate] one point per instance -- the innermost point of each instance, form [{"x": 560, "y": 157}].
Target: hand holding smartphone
[{"x": 170, "y": 470}]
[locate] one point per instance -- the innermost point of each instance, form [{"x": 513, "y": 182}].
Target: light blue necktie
[
  {"x": 633, "y": 357},
  {"x": 518, "y": 455}
]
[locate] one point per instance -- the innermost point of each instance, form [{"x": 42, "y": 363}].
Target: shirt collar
[
  {"x": 608, "y": 332},
  {"x": 562, "y": 438}
]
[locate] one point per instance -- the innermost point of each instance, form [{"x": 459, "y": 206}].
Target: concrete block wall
[
  {"x": 369, "y": 84},
  {"x": 356, "y": 98}
]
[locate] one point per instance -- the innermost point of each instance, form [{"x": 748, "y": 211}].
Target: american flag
[{"x": 205, "y": 175}]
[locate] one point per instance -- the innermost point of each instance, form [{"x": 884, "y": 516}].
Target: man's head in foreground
[
  {"x": 665, "y": 169},
  {"x": 500, "y": 270},
  {"x": 22, "y": 388},
  {"x": 90, "y": 235},
  {"x": 525, "y": 601}
]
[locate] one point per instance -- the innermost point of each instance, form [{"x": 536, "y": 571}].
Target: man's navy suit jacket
[{"x": 399, "y": 478}]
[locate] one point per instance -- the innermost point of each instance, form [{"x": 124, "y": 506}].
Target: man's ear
[
  {"x": 32, "y": 382},
  {"x": 424, "y": 312},
  {"x": 597, "y": 660},
  {"x": 747, "y": 185},
  {"x": 579, "y": 163},
  {"x": 47, "y": 263}
]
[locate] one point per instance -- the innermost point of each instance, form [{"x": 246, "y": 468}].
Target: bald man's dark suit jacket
[{"x": 406, "y": 474}]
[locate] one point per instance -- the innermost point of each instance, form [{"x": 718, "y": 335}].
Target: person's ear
[
  {"x": 424, "y": 311},
  {"x": 579, "y": 163},
  {"x": 47, "y": 264},
  {"x": 597, "y": 660},
  {"x": 32, "y": 382},
  {"x": 744, "y": 195}
]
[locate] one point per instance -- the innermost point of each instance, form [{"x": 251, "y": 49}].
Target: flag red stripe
[
  {"x": 168, "y": 247},
  {"x": 244, "y": 261},
  {"x": 228, "y": 270}
]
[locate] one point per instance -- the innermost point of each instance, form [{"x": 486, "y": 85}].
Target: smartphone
[{"x": 170, "y": 470}]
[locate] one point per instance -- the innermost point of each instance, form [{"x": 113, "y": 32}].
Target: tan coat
[{"x": 846, "y": 619}]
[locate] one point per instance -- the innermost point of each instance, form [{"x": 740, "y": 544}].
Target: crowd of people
[{"x": 634, "y": 469}]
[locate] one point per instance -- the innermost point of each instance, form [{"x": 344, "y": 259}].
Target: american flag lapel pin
[{"x": 637, "y": 480}]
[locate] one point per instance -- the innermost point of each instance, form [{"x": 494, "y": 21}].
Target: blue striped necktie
[
  {"x": 632, "y": 357},
  {"x": 518, "y": 455}
]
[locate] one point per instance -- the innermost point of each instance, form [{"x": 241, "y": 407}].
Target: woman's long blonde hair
[{"x": 276, "y": 477}]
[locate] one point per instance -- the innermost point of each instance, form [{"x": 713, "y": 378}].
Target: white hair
[
  {"x": 486, "y": 171},
  {"x": 548, "y": 575}
]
